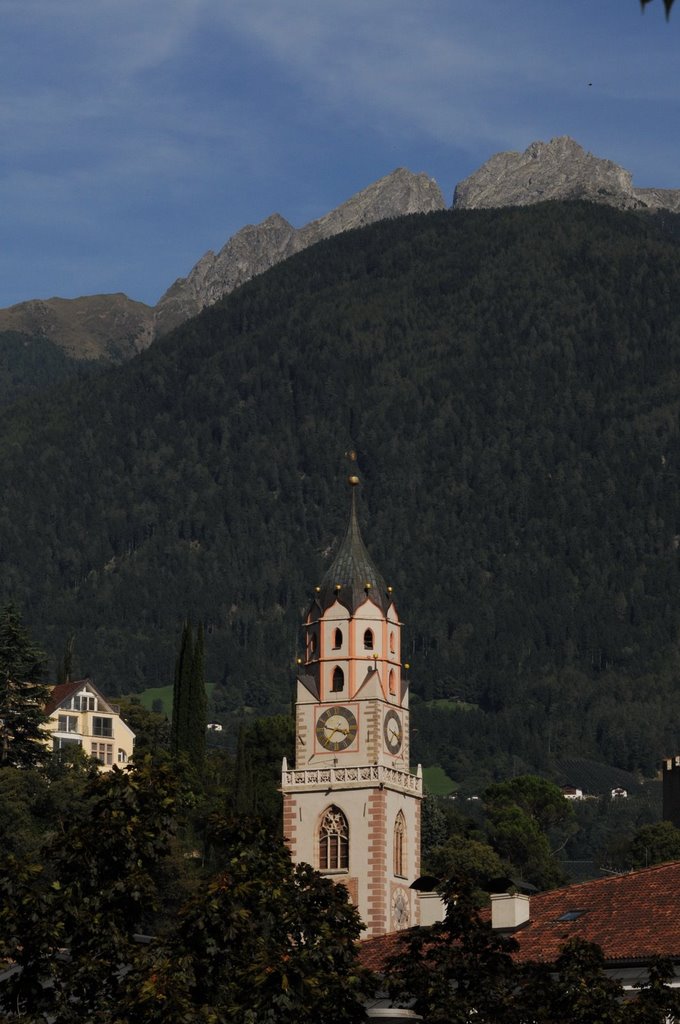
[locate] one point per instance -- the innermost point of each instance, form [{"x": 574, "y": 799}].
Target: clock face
[
  {"x": 393, "y": 732},
  {"x": 400, "y": 908},
  {"x": 336, "y": 728}
]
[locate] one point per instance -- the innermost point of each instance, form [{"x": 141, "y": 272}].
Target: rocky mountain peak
[
  {"x": 256, "y": 247},
  {"x": 559, "y": 169},
  {"x": 115, "y": 328}
]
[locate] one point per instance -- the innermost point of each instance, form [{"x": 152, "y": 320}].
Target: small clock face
[
  {"x": 393, "y": 732},
  {"x": 336, "y": 728},
  {"x": 400, "y": 908}
]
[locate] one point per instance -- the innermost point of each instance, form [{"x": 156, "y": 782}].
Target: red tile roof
[
  {"x": 631, "y": 917},
  {"x": 62, "y": 691}
]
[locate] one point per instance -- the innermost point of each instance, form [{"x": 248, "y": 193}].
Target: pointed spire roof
[{"x": 352, "y": 577}]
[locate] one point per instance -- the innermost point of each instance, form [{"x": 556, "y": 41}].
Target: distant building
[
  {"x": 632, "y": 917},
  {"x": 79, "y": 715},
  {"x": 572, "y": 793}
]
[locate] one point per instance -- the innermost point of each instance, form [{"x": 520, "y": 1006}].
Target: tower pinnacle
[{"x": 353, "y": 576}]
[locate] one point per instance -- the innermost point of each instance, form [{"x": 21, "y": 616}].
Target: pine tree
[{"x": 22, "y": 694}]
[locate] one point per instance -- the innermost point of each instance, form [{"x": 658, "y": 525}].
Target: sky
[{"x": 138, "y": 134}]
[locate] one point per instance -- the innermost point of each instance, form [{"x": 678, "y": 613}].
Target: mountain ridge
[{"x": 114, "y": 328}]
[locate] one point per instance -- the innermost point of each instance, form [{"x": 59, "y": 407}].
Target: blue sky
[{"x": 140, "y": 133}]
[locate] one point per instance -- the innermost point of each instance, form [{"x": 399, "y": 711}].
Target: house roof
[
  {"x": 631, "y": 917},
  {"x": 62, "y": 691}
]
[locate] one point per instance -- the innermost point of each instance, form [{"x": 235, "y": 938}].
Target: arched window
[
  {"x": 312, "y": 643},
  {"x": 399, "y": 845},
  {"x": 393, "y": 682},
  {"x": 368, "y": 640},
  {"x": 338, "y": 679},
  {"x": 333, "y": 841},
  {"x": 337, "y": 639},
  {"x": 392, "y": 643}
]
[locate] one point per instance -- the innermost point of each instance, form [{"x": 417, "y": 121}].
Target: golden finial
[{"x": 353, "y": 479}]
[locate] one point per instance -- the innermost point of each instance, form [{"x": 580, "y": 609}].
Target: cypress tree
[
  {"x": 189, "y": 703},
  {"x": 181, "y": 693},
  {"x": 198, "y": 707},
  {"x": 243, "y": 797}
]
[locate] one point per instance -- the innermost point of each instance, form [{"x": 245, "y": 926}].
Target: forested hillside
[
  {"x": 28, "y": 365},
  {"x": 511, "y": 382}
]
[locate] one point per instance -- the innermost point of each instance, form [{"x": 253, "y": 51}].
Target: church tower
[{"x": 352, "y": 804}]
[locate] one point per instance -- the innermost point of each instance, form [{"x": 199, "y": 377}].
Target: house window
[
  {"x": 60, "y": 742},
  {"x": 122, "y": 756},
  {"x": 337, "y": 639},
  {"x": 312, "y": 643},
  {"x": 83, "y": 702},
  {"x": 68, "y": 723},
  {"x": 334, "y": 841},
  {"x": 392, "y": 682},
  {"x": 392, "y": 643},
  {"x": 338, "y": 679},
  {"x": 399, "y": 834},
  {"x": 368, "y": 640},
  {"x": 102, "y": 727},
  {"x": 103, "y": 752}
]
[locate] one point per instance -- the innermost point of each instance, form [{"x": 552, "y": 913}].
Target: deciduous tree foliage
[
  {"x": 457, "y": 970},
  {"x": 266, "y": 942},
  {"x": 98, "y": 884},
  {"x": 527, "y": 815},
  {"x": 654, "y": 844},
  {"x": 263, "y": 942}
]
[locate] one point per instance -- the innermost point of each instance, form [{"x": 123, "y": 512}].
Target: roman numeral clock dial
[
  {"x": 393, "y": 732},
  {"x": 336, "y": 728}
]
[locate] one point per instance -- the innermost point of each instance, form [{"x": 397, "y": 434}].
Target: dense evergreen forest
[
  {"x": 511, "y": 382},
  {"x": 28, "y": 365}
]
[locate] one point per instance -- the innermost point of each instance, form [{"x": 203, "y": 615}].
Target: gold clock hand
[{"x": 338, "y": 728}]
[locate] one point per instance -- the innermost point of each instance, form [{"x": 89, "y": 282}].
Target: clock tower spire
[{"x": 351, "y": 803}]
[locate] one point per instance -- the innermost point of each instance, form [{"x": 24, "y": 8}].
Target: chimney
[
  {"x": 671, "y": 790},
  {"x": 432, "y": 908},
  {"x": 509, "y": 911}
]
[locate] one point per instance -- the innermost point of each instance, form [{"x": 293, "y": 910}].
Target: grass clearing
[
  {"x": 437, "y": 782},
  {"x": 164, "y": 694},
  {"x": 446, "y": 704}
]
